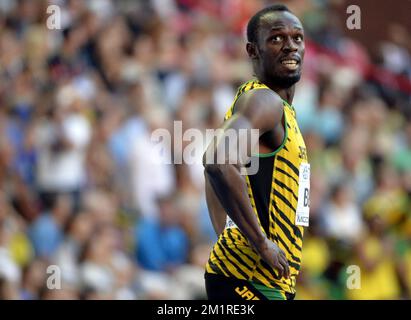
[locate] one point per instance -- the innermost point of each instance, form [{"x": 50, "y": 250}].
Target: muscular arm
[
  {"x": 216, "y": 210},
  {"x": 262, "y": 110}
]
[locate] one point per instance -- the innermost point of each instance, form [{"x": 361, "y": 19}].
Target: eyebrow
[{"x": 275, "y": 28}]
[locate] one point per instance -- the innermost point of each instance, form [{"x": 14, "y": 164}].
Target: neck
[{"x": 286, "y": 93}]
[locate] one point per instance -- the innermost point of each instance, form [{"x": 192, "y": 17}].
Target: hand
[{"x": 274, "y": 256}]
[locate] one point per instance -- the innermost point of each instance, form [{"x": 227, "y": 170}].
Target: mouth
[{"x": 290, "y": 64}]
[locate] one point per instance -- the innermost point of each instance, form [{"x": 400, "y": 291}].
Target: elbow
[
  {"x": 219, "y": 171},
  {"x": 214, "y": 166},
  {"x": 212, "y": 169},
  {"x": 210, "y": 162}
]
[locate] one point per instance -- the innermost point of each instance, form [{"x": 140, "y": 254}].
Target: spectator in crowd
[
  {"x": 62, "y": 145},
  {"x": 375, "y": 256},
  {"x": 47, "y": 232},
  {"x": 162, "y": 244},
  {"x": 341, "y": 216},
  {"x": 33, "y": 279}
]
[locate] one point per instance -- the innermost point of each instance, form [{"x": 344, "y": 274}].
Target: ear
[{"x": 252, "y": 50}]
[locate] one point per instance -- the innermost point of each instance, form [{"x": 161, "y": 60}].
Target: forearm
[
  {"x": 215, "y": 209},
  {"x": 231, "y": 189}
]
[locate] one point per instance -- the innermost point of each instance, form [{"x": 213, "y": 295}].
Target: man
[{"x": 260, "y": 217}]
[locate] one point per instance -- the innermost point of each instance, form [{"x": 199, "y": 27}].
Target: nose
[{"x": 290, "y": 45}]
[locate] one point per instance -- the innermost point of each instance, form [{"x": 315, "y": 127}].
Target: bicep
[
  {"x": 233, "y": 143},
  {"x": 238, "y": 138}
]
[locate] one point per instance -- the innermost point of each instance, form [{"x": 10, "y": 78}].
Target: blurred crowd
[{"x": 80, "y": 187}]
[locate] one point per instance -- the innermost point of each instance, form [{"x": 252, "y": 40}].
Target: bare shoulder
[{"x": 262, "y": 107}]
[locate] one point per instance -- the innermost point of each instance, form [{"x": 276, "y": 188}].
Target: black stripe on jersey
[
  {"x": 245, "y": 238},
  {"x": 286, "y": 173},
  {"x": 239, "y": 270},
  {"x": 279, "y": 239},
  {"x": 266, "y": 276},
  {"x": 266, "y": 266},
  {"x": 289, "y": 164},
  {"x": 267, "y": 281},
  {"x": 290, "y": 238},
  {"x": 286, "y": 220},
  {"x": 240, "y": 236},
  {"x": 296, "y": 259},
  {"x": 242, "y": 89},
  {"x": 284, "y": 199},
  {"x": 285, "y": 148},
  {"x": 296, "y": 266},
  {"x": 235, "y": 255},
  {"x": 242, "y": 252},
  {"x": 286, "y": 232},
  {"x": 283, "y": 186},
  {"x": 223, "y": 267},
  {"x": 273, "y": 283},
  {"x": 214, "y": 267}
]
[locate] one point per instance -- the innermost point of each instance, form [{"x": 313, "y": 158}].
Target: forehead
[{"x": 279, "y": 20}]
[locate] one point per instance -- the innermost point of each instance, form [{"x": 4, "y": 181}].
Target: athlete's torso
[{"x": 274, "y": 194}]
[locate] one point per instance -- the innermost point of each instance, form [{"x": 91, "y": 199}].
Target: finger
[
  {"x": 283, "y": 260},
  {"x": 287, "y": 271},
  {"x": 280, "y": 270},
  {"x": 285, "y": 266}
]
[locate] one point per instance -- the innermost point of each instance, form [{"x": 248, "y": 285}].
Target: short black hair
[{"x": 254, "y": 22}]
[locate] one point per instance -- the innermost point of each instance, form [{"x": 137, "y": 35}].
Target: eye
[
  {"x": 299, "y": 38},
  {"x": 277, "y": 38}
]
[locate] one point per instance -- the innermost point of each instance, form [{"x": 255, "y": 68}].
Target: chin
[{"x": 287, "y": 81}]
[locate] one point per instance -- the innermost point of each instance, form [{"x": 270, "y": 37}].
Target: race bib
[
  {"x": 303, "y": 207},
  {"x": 230, "y": 223}
]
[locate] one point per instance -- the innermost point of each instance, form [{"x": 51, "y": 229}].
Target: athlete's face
[{"x": 280, "y": 48}]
